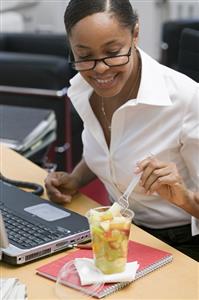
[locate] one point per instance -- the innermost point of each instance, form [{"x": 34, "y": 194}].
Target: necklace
[{"x": 108, "y": 122}]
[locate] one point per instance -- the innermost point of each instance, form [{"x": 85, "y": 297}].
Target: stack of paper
[
  {"x": 12, "y": 288},
  {"x": 27, "y": 130}
]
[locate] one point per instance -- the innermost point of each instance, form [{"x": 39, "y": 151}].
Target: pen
[{"x": 84, "y": 246}]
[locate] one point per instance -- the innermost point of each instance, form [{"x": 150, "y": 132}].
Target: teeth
[{"x": 104, "y": 80}]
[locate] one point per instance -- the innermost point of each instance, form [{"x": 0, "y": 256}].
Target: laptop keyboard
[{"x": 25, "y": 234}]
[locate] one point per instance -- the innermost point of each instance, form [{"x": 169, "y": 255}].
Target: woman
[{"x": 131, "y": 107}]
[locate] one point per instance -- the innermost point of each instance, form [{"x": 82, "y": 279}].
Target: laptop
[{"x": 36, "y": 227}]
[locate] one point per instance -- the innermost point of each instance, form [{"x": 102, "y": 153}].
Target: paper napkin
[
  {"x": 90, "y": 274},
  {"x": 12, "y": 288}
]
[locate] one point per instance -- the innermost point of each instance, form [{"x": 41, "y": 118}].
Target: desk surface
[{"x": 177, "y": 280}]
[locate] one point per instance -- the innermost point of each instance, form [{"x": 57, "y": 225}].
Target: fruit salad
[{"x": 110, "y": 234}]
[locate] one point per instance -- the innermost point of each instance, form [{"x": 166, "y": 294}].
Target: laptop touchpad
[{"x": 47, "y": 212}]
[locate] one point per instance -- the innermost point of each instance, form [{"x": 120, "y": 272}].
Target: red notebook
[{"x": 149, "y": 259}]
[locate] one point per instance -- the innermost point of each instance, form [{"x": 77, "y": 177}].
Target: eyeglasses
[{"x": 111, "y": 61}]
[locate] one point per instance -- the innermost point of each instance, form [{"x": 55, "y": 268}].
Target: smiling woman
[
  {"x": 105, "y": 55},
  {"x": 131, "y": 106}
]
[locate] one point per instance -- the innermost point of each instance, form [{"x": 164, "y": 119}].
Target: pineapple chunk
[
  {"x": 115, "y": 209},
  {"x": 107, "y": 215},
  {"x": 105, "y": 225}
]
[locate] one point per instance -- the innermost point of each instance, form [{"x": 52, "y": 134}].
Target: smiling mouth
[
  {"x": 105, "y": 82},
  {"x": 101, "y": 81}
]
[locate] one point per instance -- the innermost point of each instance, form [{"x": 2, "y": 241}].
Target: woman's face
[{"x": 97, "y": 36}]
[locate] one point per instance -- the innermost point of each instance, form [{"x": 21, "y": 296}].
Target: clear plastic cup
[{"x": 110, "y": 228}]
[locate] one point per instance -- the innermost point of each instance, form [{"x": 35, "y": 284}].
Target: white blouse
[{"x": 164, "y": 121}]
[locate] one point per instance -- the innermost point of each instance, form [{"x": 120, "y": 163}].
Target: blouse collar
[{"x": 152, "y": 90}]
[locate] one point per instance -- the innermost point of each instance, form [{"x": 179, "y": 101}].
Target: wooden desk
[{"x": 177, "y": 280}]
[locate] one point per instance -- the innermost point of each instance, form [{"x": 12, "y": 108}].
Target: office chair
[
  {"x": 188, "y": 58},
  {"x": 171, "y": 32},
  {"x": 35, "y": 73}
]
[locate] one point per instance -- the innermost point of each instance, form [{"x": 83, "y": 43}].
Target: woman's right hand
[{"x": 61, "y": 186}]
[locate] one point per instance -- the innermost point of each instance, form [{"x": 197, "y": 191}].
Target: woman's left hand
[{"x": 164, "y": 179}]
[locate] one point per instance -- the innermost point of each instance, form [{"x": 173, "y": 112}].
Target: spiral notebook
[{"x": 149, "y": 259}]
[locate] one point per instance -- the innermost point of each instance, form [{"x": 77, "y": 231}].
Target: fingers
[
  {"x": 151, "y": 169},
  {"x": 53, "y": 183},
  {"x": 58, "y": 197},
  {"x": 169, "y": 180},
  {"x": 156, "y": 173}
]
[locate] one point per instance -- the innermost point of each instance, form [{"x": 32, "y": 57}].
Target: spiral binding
[{"x": 114, "y": 288}]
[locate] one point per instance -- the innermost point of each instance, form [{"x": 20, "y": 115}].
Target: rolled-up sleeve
[{"x": 190, "y": 145}]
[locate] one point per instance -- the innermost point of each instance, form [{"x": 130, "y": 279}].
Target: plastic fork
[{"x": 123, "y": 200}]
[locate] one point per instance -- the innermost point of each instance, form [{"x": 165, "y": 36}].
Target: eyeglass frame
[{"x": 102, "y": 59}]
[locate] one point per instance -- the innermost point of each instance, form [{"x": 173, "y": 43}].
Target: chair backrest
[
  {"x": 35, "y": 43},
  {"x": 188, "y": 59},
  {"x": 171, "y": 32},
  {"x": 40, "y": 45},
  {"x": 34, "y": 70}
]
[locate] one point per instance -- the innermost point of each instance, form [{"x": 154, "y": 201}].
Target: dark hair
[{"x": 79, "y": 9}]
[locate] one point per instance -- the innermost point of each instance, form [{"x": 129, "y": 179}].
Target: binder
[{"x": 149, "y": 259}]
